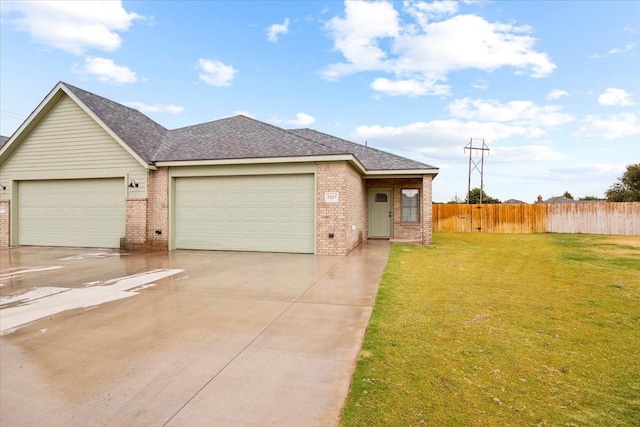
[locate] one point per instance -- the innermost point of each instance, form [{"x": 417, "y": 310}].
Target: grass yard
[{"x": 504, "y": 330}]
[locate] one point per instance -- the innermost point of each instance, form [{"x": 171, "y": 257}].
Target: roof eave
[
  {"x": 262, "y": 160},
  {"x": 401, "y": 173}
]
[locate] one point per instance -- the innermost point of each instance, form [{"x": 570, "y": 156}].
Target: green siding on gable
[{"x": 69, "y": 144}]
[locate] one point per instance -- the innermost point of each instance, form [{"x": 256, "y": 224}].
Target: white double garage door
[{"x": 272, "y": 213}]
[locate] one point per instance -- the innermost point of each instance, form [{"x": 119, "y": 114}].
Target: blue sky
[{"x": 552, "y": 87}]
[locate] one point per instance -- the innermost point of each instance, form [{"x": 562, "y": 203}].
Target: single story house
[
  {"x": 556, "y": 200},
  {"x": 85, "y": 171}
]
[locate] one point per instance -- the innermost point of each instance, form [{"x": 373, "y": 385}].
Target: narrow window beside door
[{"x": 410, "y": 205}]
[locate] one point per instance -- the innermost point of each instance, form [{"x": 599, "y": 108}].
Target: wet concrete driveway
[{"x": 95, "y": 337}]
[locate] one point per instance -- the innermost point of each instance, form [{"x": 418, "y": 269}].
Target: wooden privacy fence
[{"x": 589, "y": 218}]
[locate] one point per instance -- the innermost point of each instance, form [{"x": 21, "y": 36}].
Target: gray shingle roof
[
  {"x": 237, "y": 137},
  {"x": 138, "y": 131},
  {"x": 3, "y": 140},
  {"x": 560, "y": 199},
  {"x": 371, "y": 158}
]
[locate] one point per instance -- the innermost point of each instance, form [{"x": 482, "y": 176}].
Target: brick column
[
  {"x": 158, "y": 209},
  {"x": 331, "y": 216},
  {"x": 5, "y": 223},
  {"x": 427, "y": 220},
  {"x": 136, "y": 225}
]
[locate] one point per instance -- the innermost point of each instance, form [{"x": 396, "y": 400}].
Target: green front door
[{"x": 380, "y": 210}]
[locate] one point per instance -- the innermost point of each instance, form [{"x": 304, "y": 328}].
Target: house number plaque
[{"x": 331, "y": 197}]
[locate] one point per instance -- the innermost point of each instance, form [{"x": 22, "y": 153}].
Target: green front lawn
[{"x": 504, "y": 329}]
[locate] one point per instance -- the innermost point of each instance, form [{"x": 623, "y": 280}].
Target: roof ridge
[
  {"x": 290, "y": 131},
  {"x": 286, "y": 131},
  {"x": 362, "y": 147},
  {"x": 355, "y": 143},
  {"x": 112, "y": 101},
  {"x": 166, "y": 141}
]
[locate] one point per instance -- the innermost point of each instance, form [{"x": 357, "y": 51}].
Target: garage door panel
[
  {"x": 85, "y": 213},
  {"x": 253, "y": 213}
]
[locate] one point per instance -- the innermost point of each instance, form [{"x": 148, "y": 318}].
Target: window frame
[{"x": 411, "y": 210}]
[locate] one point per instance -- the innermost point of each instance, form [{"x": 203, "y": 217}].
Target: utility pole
[{"x": 476, "y": 163}]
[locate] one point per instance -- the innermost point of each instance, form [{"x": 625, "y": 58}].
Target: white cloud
[
  {"x": 216, "y": 73},
  {"x": 480, "y": 84},
  {"x": 611, "y": 127},
  {"x": 423, "y": 11},
  {"x": 410, "y": 87},
  {"x": 467, "y": 42},
  {"x": 516, "y": 112},
  {"x": 301, "y": 119},
  {"x": 557, "y": 94},
  {"x": 579, "y": 172},
  {"x": 356, "y": 37},
  {"x": 155, "y": 108},
  {"x": 421, "y": 56},
  {"x": 627, "y": 47},
  {"x": 613, "y": 96},
  {"x": 525, "y": 153},
  {"x": 443, "y": 139},
  {"x": 276, "y": 30},
  {"x": 106, "y": 71},
  {"x": 72, "y": 26},
  {"x": 244, "y": 113}
]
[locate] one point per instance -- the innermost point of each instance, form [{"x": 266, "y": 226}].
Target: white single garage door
[
  {"x": 82, "y": 213},
  {"x": 267, "y": 213}
]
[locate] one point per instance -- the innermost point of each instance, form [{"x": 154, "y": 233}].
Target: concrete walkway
[{"x": 94, "y": 337}]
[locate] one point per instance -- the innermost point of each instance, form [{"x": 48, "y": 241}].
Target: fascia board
[{"x": 299, "y": 159}]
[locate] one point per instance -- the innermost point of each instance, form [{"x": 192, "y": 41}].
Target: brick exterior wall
[
  {"x": 427, "y": 215},
  {"x": 145, "y": 216},
  {"x": 158, "y": 209},
  {"x": 5, "y": 223},
  {"x": 408, "y": 231},
  {"x": 346, "y": 219},
  {"x": 356, "y": 210},
  {"x": 136, "y": 225},
  {"x": 331, "y": 177}
]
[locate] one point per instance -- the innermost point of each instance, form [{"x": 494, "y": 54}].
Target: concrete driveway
[{"x": 99, "y": 337}]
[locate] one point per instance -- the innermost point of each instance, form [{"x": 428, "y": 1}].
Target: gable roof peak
[{"x": 142, "y": 134}]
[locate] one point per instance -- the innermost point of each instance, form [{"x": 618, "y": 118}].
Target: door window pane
[{"x": 381, "y": 197}]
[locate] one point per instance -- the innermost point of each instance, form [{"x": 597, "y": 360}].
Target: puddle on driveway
[
  {"x": 18, "y": 310},
  {"x": 89, "y": 255},
  {"x": 19, "y": 273}
]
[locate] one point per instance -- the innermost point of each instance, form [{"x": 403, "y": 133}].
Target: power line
[{"x": 13, "y": 114}]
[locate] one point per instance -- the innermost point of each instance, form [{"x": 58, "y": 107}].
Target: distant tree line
[{"x": 627, "y": 189}]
